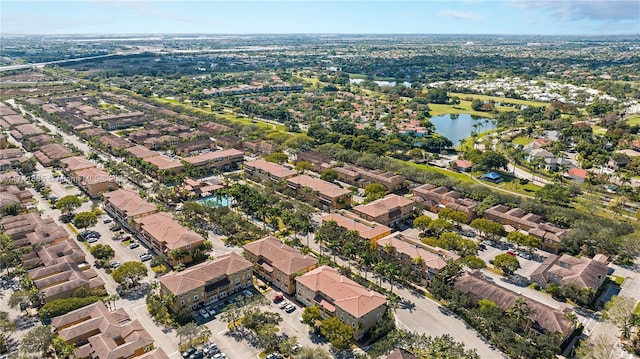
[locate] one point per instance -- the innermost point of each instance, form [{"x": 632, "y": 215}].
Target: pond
[
  {"x": 458, "y": 127},
  {"x": 213, "y": 201}
]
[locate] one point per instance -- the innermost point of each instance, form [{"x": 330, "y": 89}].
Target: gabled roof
[
  {"x": 76, "y": 163},
  {"x": 401, "y": 354},
  {"x": 548, "y": 318},
  {"x": 345, "y": 293},
  {"x": 279, "y": 255},
  {"x": 433, "y": 257},
  {"x": 365, "y": 229},
  {"x": 323, "y": 187},
  {"x": 198, "y": 275},
  {"x": 271, "y": 168}
]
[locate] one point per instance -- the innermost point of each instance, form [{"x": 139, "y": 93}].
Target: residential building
[
  {"x": 62, "y": 279},
  {"x": 368, "y": 230},
  {"x": 123, "y": 120},
  {"x": 94, "y": 181},
  {"x": 548, "y": 233},
  {"x": 229, "y": 142},
  {"x": 406, "y": 250},
  {"x": 401, "y": 354},
  {"x": 340, "y": 297},
  {"x": 31, "y": 229},
  {"x": 266, "y": 170},
  {"x": 582, "y": 272},
  {"x": 67, "y": 250},
  {"x": 577, "y": 174},
  {"x": 463, "y": 165},
  {"x": 50, "y": 154},
  {"x": 318, "y": 160},
  {"x": 361, "y": 177},
  {"x": 543, "y": 317},
  {"x": 13, "y": 199},
  {"x": 126, "y": 205},
  {"x": 390, "y": 210},
  {"x": 208, "y": 282},
  {"x": 225, "y": 160},
  {"x": 161, "y": 233},
  {"x": 213, "y": 128},
  {"x": 201, "y": 189},
  {"x": 72, "y": 164},
  {"x": 99, "y": 333},
  {"x": 278, "y": 263},
  {"x": 327, "y": 195},
  {"x": 259, "y": 147},
  {"x": 435, "y": 198}
]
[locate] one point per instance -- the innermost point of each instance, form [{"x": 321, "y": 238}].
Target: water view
[{"x": 458, "y": 127}]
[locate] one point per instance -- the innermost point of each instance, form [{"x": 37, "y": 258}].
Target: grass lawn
[
  {"x": 375, "y": 78},
  {"x": 522, "y": 140},
  {"x": 598, "y": 130},
  {"x": 500, "y": 99},
  {"x": 460, "y": 176},
  {"x": 513, "y": 184},
  {"x": 634, "y": 119},
  {"x": 464, "y": 107},
  {"x": 618, "y": 280}
]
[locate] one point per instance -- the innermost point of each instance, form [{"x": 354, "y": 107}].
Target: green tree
[
  {"x": 598, "y": 347},
  {"x": 7, "y": 326},
  {"x": 329, "y": 175},
  {"x": 303, "y": 166},
  {"x": 129, "y": 274},
  {"x": 436, "y": 95},
  {"x": 488, "y": 228},
  {"x": 102, "y": 251},
  {"x": 188, "y": 331},
  {"x": 68, "y": 204},
  {"x": 339, "y": 334},
  {"x": 85, "y": 220},
  {"x": 313, "y": 353},
  {"x": 422, "y": 222},
  {"x": 19, "y": 298},
  {"x": 277, "y": 157},
  {"x": 62, "y": 348},
  {"x": 554, "y": 193},
  {"x": 523, "y": 240},
  {"x": 506, "y": 263},
  {"x": 619, "y": 311},
  {"x": 374, "y": 191},
  {"x": 38, "y": 340},
  {"x": 491, "y": 160}
]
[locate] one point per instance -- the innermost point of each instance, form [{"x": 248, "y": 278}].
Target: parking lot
[{"x": 527, "y": 266}]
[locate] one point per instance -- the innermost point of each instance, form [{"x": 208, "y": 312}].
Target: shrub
[{"x": 64, "y": 306}]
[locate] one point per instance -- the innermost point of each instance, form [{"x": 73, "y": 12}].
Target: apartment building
[
  {"x": 435, "y": 198},
  {"x": 361, "y": 177},
  {"x": 278, "y": 263},
  {"x": 340, "y": 297},
  {"x": 424, "y": 261},
  {"x": 126, "y": 205},
  {"x": 208, "y": 282},
  {"x": 161, "y": 233},
  {"x": 582, "y": 272},
  {"x": 327, "y": 195},
  {"x": 390, "y": 210},
  {"x": 368, "y": 230},
  {"x": 226, "y": 160},
  {"x": 266, "y": 170},
  {"x": 61, "y": 280}
]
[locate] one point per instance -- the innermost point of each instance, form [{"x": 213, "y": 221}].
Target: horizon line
[{"x": 314, "y": 33}]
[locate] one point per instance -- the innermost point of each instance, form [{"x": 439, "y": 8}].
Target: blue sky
[{"x": 536, "y": 17}]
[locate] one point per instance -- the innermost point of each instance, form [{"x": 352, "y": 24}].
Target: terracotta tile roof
[
  {"x": 213, "y": 156},
  {"x": 89, "y": 176},
  {"x": 163, "y": 162},
  {"x": 433, "y": 257},
  {"x": 279, "y": 255},
  {"x": 198, "y": 275},
  {"x": 31, "y": 228},
  {"x": 578, "y": 172},
  {"x": 323, "y": 187},
  {"x": 582, "y": 272},
  {"x": 112, "y": 335},
  {"x": 269, "y": 167},
  {"x": 129, "y": 202},
  {"x": 401, "y": 354},
  {"x": 365, "y": 229},
  {"x": 73, "y": 164},
  {"x": 345, "y": 293},
  {"x": 64, "y": 277},
  {"x": 162, "y": 228},
  {"x": 464, "y": 164},
  {"x": 550, "y": 319},
  {"x": 391, "y": 202},
  {"x": 142, "y": 152}
]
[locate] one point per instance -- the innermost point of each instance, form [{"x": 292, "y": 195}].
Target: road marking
[{"x": 224, "y": 331}]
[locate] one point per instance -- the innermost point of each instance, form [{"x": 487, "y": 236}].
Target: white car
[
  {"x": 284, "y": 304},
  {"x": 115, "y": 264},
  {"x": 203, "y": 312},
  {"x": 92, "y": 240},
  {"x": 247, "y": 293}
]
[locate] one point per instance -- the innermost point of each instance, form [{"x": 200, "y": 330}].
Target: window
[
  {"x": 237, "y": 280},
  {"x": 195, "y": 297},
  {"x": 342, "y": 317},
  {"x": 182, "y": 302}
]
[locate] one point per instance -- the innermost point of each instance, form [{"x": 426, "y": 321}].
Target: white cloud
[
  {"x": 459, "y": 15},
  {"x": 608, "y": 10}
]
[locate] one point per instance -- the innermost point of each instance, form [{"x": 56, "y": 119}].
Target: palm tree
[
  {"x": 366, "y": 259},
  {"x": 392, "y": 271},
  {"x": 521, "y": 311},
  {"x": 189, "y": 331},
  {"x": 349, "y": 250},
  {"x": 380, "y": 269}
]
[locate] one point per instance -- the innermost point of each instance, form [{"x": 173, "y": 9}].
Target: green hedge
[{"x": 64, "y": 306}]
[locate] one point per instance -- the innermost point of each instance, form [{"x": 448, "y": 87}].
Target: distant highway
[{"x": 43, "y": 64}]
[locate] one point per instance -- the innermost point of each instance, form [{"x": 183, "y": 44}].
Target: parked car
[
  {"x": 211, "y": 310},
  {"x": 198, "y": 354},
  {"x": 146, "y": 257},
  {"x": 219, "y": 356},
  {"x": 278, "y": 298},
  {"x": 247, "y": 293},
  {"x": 108, "y": 220},
  {"x": 511, "y": 253},
  {"x": 284, "y": 304},
  {"x": 125, "y": 238},
  {"x": 133, "y": 245},
  {"x": 188, "y": 352},
  {"x": 211, "y": 349},
  {"x": 203, "y": 312},
  {"x": 92, "y": 239},
  {"x": 289, "y": 308},
  {"x": 115, "y": 264}
]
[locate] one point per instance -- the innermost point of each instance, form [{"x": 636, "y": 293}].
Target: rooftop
[{"x": 282, "y": 257}]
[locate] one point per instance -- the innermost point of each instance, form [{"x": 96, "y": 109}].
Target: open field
[
  {"x": 522, "y": 140},
  {"x": 513, "y": 184},
  {"x": 634, "y": 119},
  {"x": 598, "y": 130},
  {"x": 375, "y": 78},
  {"x": 460, "y": 176},
  {"x": 464, "y": 107},
  {"x": 500, "y": 99}
]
